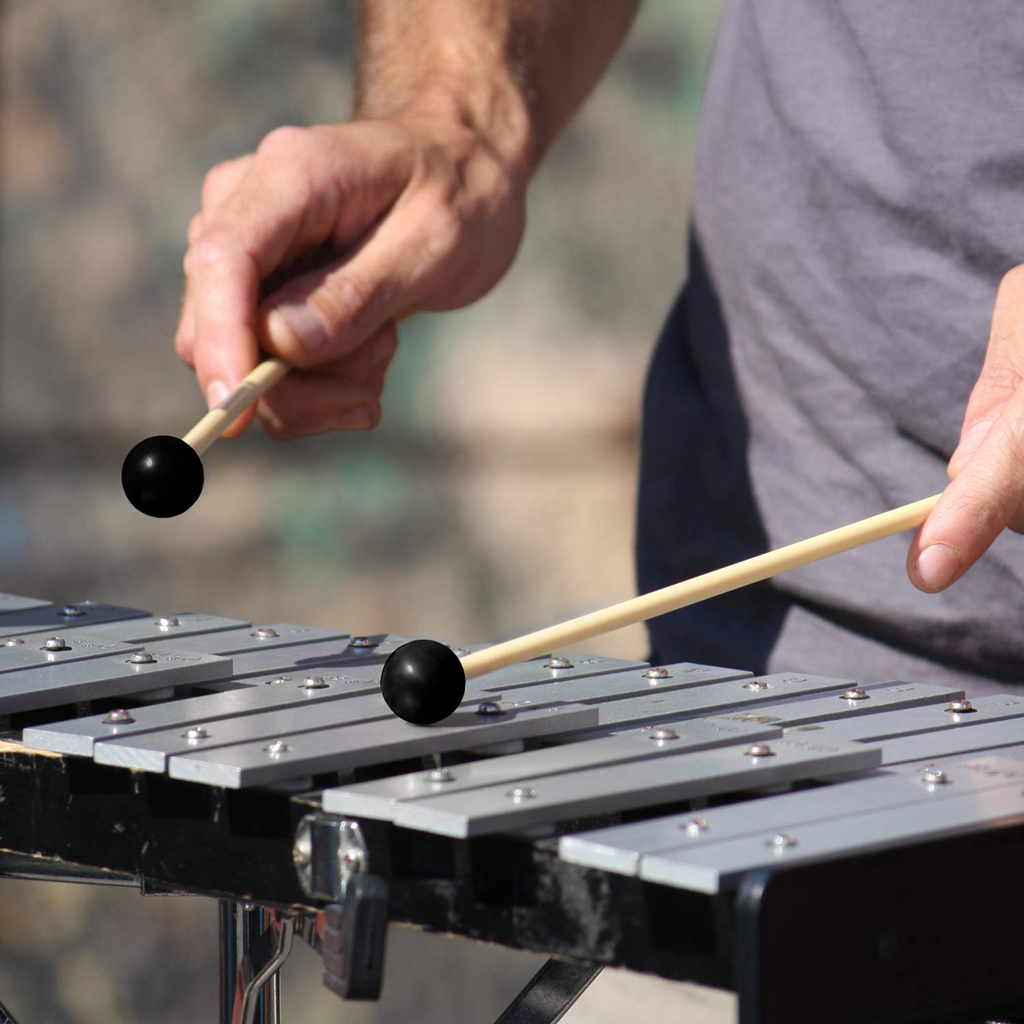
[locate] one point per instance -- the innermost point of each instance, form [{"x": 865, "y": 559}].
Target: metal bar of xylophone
[{"x": 823, "y": 846}]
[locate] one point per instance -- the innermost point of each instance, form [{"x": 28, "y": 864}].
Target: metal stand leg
[
  {"x": 252, "y": 950},
  {"x": 227, "y": 921},
  {"x": 5, "y": 1015},
  {"x": 257, "y": 996},
  {"x": 551, "y": 991}
]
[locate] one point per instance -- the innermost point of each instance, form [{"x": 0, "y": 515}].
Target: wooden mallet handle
[
  {"x": 700, "y": 588},
  {"x": 221, "y": 416}
]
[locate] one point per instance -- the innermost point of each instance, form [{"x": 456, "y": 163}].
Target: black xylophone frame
[
  {"x": 925, "y": 936},
  {"x": 891, "y": 930}
]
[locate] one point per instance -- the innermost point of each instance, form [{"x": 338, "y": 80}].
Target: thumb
[{"x": 323, "y": 315}]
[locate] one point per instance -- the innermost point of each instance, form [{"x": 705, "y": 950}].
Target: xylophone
[{"x": 828, "y": 848}]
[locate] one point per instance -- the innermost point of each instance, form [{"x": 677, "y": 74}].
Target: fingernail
[
  {"x": 216, "y": 392},
  {"x": 971, "y": 440},
  {"x": 937, "y": 566},
  {"x": 298, "y": 322},
  {"x": 360, "y": 418}
]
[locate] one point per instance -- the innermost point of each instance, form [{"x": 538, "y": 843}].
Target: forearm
[{"x": 514, "y": 71}]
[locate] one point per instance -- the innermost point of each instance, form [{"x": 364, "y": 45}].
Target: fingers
[
  {"x": 320, "y": 316},
  {"x": 223, "y": 289},
  {"x": 985, "y": 497},
  {"x": 1002, "y": 373},
  {"x": 220, "y": 182},
  {"x": 340, "y": 395}
]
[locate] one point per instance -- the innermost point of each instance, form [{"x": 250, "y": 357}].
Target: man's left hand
[{"x": 987, "y": 469}]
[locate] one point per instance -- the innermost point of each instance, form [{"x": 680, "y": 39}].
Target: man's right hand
[{"x": 313, "y": 247}]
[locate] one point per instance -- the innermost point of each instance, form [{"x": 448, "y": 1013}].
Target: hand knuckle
[
  {"x": 982, "y": 512},
  {"x": 209, "y": 248},
  {"x": 446, "y": 232},
  {"x": 1000, "y": 376},
  {"x": 345, "y": 302},
  {"x": 213, "y": 185},
  {"x": 283, "y": 141}
]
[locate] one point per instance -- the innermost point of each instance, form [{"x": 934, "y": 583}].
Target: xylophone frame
[
  {"x": 912, "y": 912},
  {"x": 913, "y": 927}
]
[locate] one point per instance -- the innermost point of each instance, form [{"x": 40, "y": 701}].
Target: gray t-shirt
[{"x": 859, "y": 194}]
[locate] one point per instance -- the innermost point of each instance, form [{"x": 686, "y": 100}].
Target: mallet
[
  {"x": 163, "y": 475},
  {"x": 423, "y": 681}
]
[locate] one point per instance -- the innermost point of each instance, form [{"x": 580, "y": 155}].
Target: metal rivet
[
  {"x": 695, "y": 827},
  {"x": 71, "y": 611},
  {"x": 521, "y": 793},
  {"x": 781, "y": 841},
  {"x": 755, "y": 684},
  {"x": 662, "y": 733},
  {"x": 656, "y": 673},
  {"x": 961, "y": 707},
  {"x": 855, "y": 693},
  {"x": 353, "y": 860},
  {"x": 277, "y": 748},
  {"x": 441, "y": 775},
  {"x": 195, "y": 734},
  {"x": 55, "y": 643},
  {"x": 314, "y": 683},
  {"x": 489, "y": 707},
  {"x": 141, "y": 658},
  {"x": 14, "y": 641},
  {"x": 759, "y": 750},
  {"x": 265, "y": 633},
  {"x": 279, "y": 679},
  {"x": 362, "y": 641},
  {"x": 167, "y": 621},
  {"x": 934, "y": 776},
  {"x": 302, "y": 852},
  {"x": 558, "y": 663},
  {"x": 118, "y": 716}
]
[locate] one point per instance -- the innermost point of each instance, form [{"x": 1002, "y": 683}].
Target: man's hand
[
  {"x": 313, "y": 248},
  {"x": 987, "y": 468}
]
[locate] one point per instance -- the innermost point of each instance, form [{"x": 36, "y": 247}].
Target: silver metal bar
[
  {"x": 35, "y": 651},
  {"x": 248, "y": 639},
  {"x": 379, "y": 798},
  {"x": 855, "y": 702},
  {"x": 642, "y": 784},
  {"x": 317, "y": 655},
  {"x": 621, "y": 848},
  {"x": 267, "y": 693},
  {"x": 255, "y": 713},
  {"x": 54, "y": 685},
  {"x": 53, "y": 618},
  {"x": 17, "y": 603},
  {"x": 581, "y": 677},
  {"x": 149, "y": 750},
  {"x": 934, "y": 718},
  {"x": 166, "y": 627},
  {"x": 987, "y": 790},
  {"x": 370, "y": 742},
  {"x": 707, "y": 699},
  {"x": 994, "y": 735}
]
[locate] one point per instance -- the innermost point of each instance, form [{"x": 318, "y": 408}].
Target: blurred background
[{"x": 496, "y": 496}]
